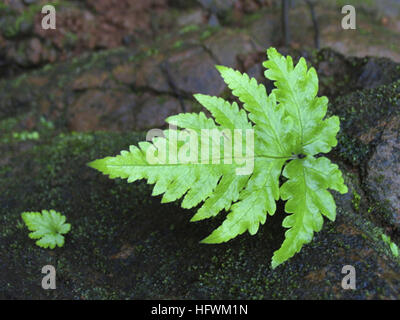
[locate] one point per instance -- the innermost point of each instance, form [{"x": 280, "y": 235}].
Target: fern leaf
[
  {"x": 48, "y": 227},
  {"x": 296, "y": 90},
  {"x": 279, "y": 127},
  {"x": 255, "y": 201},
  {"x": 307, "y": 200},
  {"x": 271, "y": 125},
  {"x": 218, "y": 184}
]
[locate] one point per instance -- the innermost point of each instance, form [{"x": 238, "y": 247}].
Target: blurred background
[{"x": 127, "y": 64}]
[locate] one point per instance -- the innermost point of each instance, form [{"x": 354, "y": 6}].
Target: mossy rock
[{"x": 126, "y": 244}]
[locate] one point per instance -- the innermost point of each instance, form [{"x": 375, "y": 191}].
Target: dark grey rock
[
  {"x": 383, "y": 171},
  {"x": 125, "y": 244}
]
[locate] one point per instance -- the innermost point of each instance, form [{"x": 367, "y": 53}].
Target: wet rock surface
[
  {"x": 120, "y": 84},
  {"x": 92, "y": 25},
  {"x": 82, "y": 26},
  {"x": 126, "y": 244},
  {"x": 69, "y": 92},
  {"x": 383, "y": 171}
]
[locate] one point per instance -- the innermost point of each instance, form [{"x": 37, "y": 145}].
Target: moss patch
[{"x": 126, "y": 244}]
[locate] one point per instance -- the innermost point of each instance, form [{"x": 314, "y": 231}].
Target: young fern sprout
[
  {"x": 289, "y": 128},
  {"x": 47, "y": 226}
]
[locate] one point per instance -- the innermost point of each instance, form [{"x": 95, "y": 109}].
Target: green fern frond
[
  {"x": 280, "y": 134},
  {"x": 47, "y": 226}
]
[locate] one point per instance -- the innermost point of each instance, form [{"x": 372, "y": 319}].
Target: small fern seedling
[
  {"x": 287, "y": 130},
  {"x": 47, "y": 226}
]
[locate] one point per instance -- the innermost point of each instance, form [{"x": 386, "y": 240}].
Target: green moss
[
  {"x": 189, "y": 28},
  {"x": 70, "y": 39},
  {"x": 356, "y": 200},
  {"x": 7, "y": 125},
  {"x": 10, "y": 133},
  {"x": 178, "y": 44},
  {"x": 4, "y": 9},
  {"x": 379, "y": 179},
  {"x": 360, "y": 112},
  {"x": 351, "y": 149},
  {"x": 127, "y": 238},
  {"x": 12, "y": 25},
  {"x": 341, "y": 3},
  {"x": 19, "y": 80},
  {"x": 26, "y": 135},
  {"x": 393, "y": 247},
  {"x": 208, "y": 32}
]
